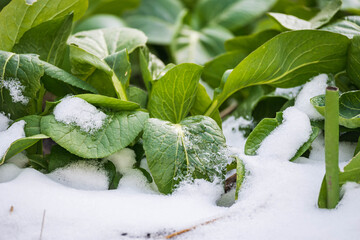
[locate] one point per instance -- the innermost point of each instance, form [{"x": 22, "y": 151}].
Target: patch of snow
[
  {"x": 123, "y": 160},
  {"x": 316, "y": 86},
  {"x": 16, "y": 89},
  {"x": 20, "y": 160},
  {"x": 288, "y": 92},
  {"x": 13, "y": 133},
  {"x": 85, "y": 175},
  {"x": 283, "y": 143},
  {"x": 73, "y": 110},
  {"x": 134, "y": 180},
  {"x": 4, "y": 122},
  {"x": 234, "y": 137},
  {"x": 8, "y": 172},
  {"x": 30, "y": 2}
]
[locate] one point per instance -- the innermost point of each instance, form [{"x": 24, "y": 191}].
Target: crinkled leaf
[
  {"x": 287, "y": 61},
  {"x": 21, "y": 17},
  {"x": 24, "y": 71},
  {"x": 117, "y": 132},
  {"x": 156, "y": 18},
  {"x": 191, "y": 149},
  {"x": 20, "y": 145},
  {"x": 349, "y": 108},
  {"x": 48, "y": 40},
  {"x": 109, "y": 102},
  {"x": 173, "y": 95}
]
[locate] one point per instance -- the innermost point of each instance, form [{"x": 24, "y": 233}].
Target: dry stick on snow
[
  {"x": 192, "y": 228},
  {"x": 42, "y": 224}
]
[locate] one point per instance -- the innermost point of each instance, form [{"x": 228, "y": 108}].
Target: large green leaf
[
  {"x": 349, "y": 108},
  {"x": 156, "y": 18},
  {"x": 194, "y": 148},
  {"x": 20, "y": 73},
  {"x": 109, "y": 102},
  {"x": 287, "y": 60},
  {"x": 20, "y": 145},
  {"x": 173, "y": 95},
  {"x": 353, "y": 64},
  {"x": 349, "y": 26},
  {"x": 115, "y": 7},
  {"x": 48, "y": 40},
  {"x": 231, "y": 14},
  {"x": 18, "y": 17},
  {"x": 94, "y": 53},
  {"x": 199, "y": 46},
  {"x": 118, "y": 131}
]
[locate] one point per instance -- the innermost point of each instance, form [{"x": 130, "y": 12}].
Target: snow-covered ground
[{"x": 278, "y": 199}]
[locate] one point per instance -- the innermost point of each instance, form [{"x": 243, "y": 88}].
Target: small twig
[
  {"x": 42, "y": 225},
  {"x": 192, "y": 228},
  {"x": 233, "y": 105}
]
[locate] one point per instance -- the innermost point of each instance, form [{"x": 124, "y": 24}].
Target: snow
[
  {"x": 4, "y": 122},
  {"x": 288, "y": 92},
  {"x": 85, "y": 175},
  {"x": 315, "y": 87},
  {"x": 20, "y": 160},
  {"x": 123, "y": 160},
  {"x": 13, "y": 133},
  {"x": 73, "y": 110},
  {"x": 30, "y": 2},
  {"x": 283, "y": 143},
  {"x": 16, "y": 89}
]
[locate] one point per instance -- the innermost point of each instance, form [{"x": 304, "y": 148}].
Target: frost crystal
[
  {"x": 73, "y": 110},
  {"x": 16, "y": 89}
]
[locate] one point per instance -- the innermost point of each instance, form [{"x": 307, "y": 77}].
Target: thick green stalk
[{"x": 332, "y": 146}]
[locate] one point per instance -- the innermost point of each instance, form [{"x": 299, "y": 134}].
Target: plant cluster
[{"x": 115, "y": 56}]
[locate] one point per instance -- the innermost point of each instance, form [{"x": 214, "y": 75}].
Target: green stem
[
  {"x": 332, "y": 146},
  {"x": 211, "y": 109},
  {"x": 120, "y": 91}
]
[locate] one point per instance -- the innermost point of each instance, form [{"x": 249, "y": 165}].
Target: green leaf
[
  {"x": 353, "y": 64},
  {"x": 287, "y": 61},
  {"x": 321, "y": 18},
  {"x": 202, "y": 102},
  {"x": 231, "y": 14},
  {"x": 191, "y": 149},
  {"x": 59, "y": 158},
  {"x": 173, "y": 95},
  {"x": 215, "y": 68},
  {"x": 250, "y": 42},
  {"x": 352, "y": 175},
  {"x": 89, "y": 51},
  {"x": 20, "y": 145},
  {"x": 48, "y": 40},
  {"x": 240, "y": 176},
  {"x": 157, "y": 19},
  {"x": 264, "y": 129},
  {"x": 137, "y": 95},
  {"x": 349, "y": 108},
  {"x": 32, "y": 126},
  {"x": 62, "y": 76},
  {"x": 4, "y": 3},
  {"x": 353, "y": 164},
  {"x": 99, "y": 21},
  {"x": 120, "y": 64},
  {"x": 349, "y": 26},
  {"x": 109, "y": 102},
  {"x": 199, "y": 46},
  {"x": 22, "y": 74},
  {"x": 21, "y": 17},
  {"x": 115, "y": 7},
  {"x": 118, "y": 131},
  {"x": 150, "y": 67}
]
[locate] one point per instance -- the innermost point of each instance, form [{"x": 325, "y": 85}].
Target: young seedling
[{"x": 332, "y": 146}]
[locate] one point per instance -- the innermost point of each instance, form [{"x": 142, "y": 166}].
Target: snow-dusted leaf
[
  {"x": 109, "y": 102},
  {"x": 349, "y": 108},
  {"x": 19, "y": 16},
  {"x": 349, "y": 26},
  {"x": 173, "y": 95},
  {"x": 118, "y": 131},
  {"x": 20, "y": 145},
  {"x": 193, "y": 148}
]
